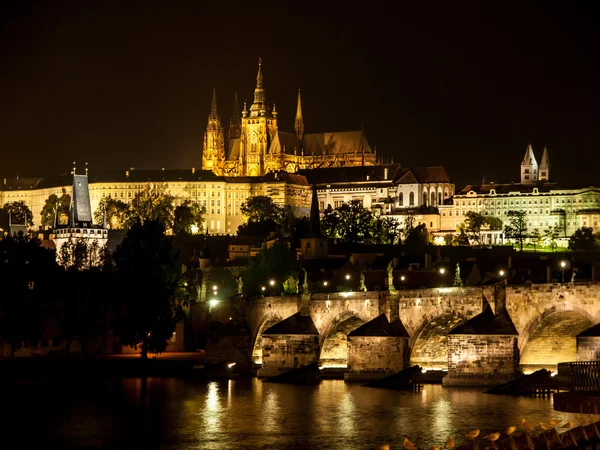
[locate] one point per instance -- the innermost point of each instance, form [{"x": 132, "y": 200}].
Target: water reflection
[
  {"x": 212, "y": 410},
  {"x": 271, "y": 412},
  {"x": 345, "y": 414}
]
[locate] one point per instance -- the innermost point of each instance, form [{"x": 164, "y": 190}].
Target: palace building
[
  {"x": 547, "y": 203},
  {"x": 256, "y": 146}
]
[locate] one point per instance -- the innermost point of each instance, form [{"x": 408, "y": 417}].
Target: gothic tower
[
  {"x": 545, "y": 166},
  {"x": 529, "y": 167},
  {"x": 259, "y": 127},
  {"x": 235, "y": 123},
  {"x": 213, "y": 155},
  {"x": 299, "y": 122}
]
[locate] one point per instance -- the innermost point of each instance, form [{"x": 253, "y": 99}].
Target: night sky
[{"x": 128, "y": 83}]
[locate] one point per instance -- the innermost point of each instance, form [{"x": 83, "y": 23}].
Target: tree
[
  {"x": 115, "y": 210},
  {"x": 151, "y": 204},
  {"x": 28, "y": 273},
  {"x": 535, "y": 238},
  {"x": 19, "y": 211},
  {"x": 188, "y": 217},
  {"x": 54, "y": 207},
  {"x": 385, "y": 230},
  {"x": 516, "y": 229},
  {"x": 460, "y": 238},
  {"x": 473, "y": 224},
  {"x": 584, "y": 240},
  {"x": 261, "y": 208},
  {"x": 152, "y": 290},
  {"x": 351, "y": 222},
  {"x": 83, "y": 254},
  {"x": 276, "y": 262},
  {"x": 551, "y": 235}
]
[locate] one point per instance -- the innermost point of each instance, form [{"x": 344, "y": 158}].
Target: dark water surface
[{"x": 248, "y": 414}]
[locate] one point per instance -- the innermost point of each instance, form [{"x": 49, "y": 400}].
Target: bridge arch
[
  {"x": 267, "y": 321},
  {"x": 550, "y": 338},
  {"x": 334, "y": 341},
  {"x": 429, "y": 343}
]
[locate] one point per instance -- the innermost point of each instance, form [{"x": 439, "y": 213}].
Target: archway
[
  {"x": 551, "y": 339},
  {"x": 430, "y": 348},
  {"x": 334, "y": 350},
  {"x": 257, "y": 349}
]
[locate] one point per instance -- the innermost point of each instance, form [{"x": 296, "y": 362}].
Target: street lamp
[
  {"x": 347, "y": 276},
  {"x": 563, "y": 264},
  {"x": 325, "y": 283},
  {"x": 262, "y": 288},
  {"x": 272, "y": 282},
  {"x": 501, "y": 273},
  {"x": 402, "y": 278},
  {"x": 442, "y": 272}
]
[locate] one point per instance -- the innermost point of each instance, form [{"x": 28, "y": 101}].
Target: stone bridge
[{"x": 547, "y": 318}]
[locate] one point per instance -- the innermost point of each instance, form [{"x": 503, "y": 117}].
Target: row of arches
[{"x": 547, "y": 341}]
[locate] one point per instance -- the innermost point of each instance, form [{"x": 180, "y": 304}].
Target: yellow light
[
  {"x": 501, "y": 273},
  {"x": 563, "y": 264},
  {"x": 262, "y": 288},
  {"x": 347, "y": 276},
  {"x": 195, "y": 229},
  {"x": 214, "y": 287},
  {"x": 402, "y": 278},
  {"x": 442, "y": 271},
  {"x": 272, "y": 282},
  {"x": 230, "y": 365},
  {"x": 325, "y": 283},
  {"x": 214, "y": 302}
]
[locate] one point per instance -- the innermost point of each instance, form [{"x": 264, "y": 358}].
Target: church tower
[
  {"x": 529, "y": 167},
  {"x": 259, "y": 127},
  {"x": 545, "y": 166},
  {"x": 213, "y": 155}
]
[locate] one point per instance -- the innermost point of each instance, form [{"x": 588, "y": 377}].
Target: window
[
  {"x": 439, "y": 198},
  {"x": 401, "y": 199},
  {"x": 411, "y": 199},
  {"x": 424, "y": 198}
]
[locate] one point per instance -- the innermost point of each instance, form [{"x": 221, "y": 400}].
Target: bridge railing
[{"x": 581, "y": 376}]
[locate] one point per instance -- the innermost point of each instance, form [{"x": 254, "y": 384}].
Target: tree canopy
[
  {"x": 116, "y": 213},
  {"x": 277, "y": 262},
  {"x": 516, "y": 229},
  {"x": 19, "y": 211},
  {"x": 151, "y": 204},
  {"x": 152, "y": 289},
  {"x": 584, "y": 240},
  {"x": 263, "y": 217},
  {"x": 188, "y": 217},
  {"x": 53, "y": 207}
]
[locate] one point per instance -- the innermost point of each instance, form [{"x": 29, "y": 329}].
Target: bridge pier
[{"x": 377, "y": 349}]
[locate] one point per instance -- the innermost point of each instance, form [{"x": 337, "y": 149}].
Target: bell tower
[
  {"x": 259, "y": 127},
  {"x": 213, "y": 154}
]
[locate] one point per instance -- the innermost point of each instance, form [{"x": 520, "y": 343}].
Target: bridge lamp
[
  {"x": 563, "y": 264},
  {"x": 213, "y": 302},
  {"x": 325, "y": 283},
  {"x": 501, "y": 273},
  {"x": 262, "y": 288},
  {"x": 272, "y": 282},
  {"x": 347, "y": 276},
  {"x": 402, "y": 278},
  {"x": 442, "y": 272},
  {"x": 214, "y": 287}
]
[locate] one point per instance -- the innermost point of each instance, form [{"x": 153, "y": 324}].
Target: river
[{"x": 174, "y": 413}]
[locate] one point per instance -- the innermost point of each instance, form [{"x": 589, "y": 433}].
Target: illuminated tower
[
  {"x": 259, "y": 126},
  {"x": 299, "y": 122},
  {"x": 529, "y": 167},
  {"x": 545, "y": 166},
  {"x": 213, "y": 155}
]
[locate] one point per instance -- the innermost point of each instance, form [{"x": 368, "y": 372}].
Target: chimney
[
  {"x": 385, "y": 173},
  {"x": 193, "y": 170}
]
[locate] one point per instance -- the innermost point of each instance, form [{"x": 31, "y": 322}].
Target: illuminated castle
[{"x": 255, "y": 145}]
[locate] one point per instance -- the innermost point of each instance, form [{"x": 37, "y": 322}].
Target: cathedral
[{"x": 255, "y": 146}]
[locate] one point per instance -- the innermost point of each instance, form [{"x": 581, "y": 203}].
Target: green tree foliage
[
  {"x": 151, "y": 204},
  {"x": 516, "y": 229},
  {"x": 187, "y": 216},
  {"x": 584, "y": 240},
  {"x": 153, "y": 292},
  {"x": 263, "y": 217},
  {"x": 276, "y": 262},
  {"x": 27, "y": 275},
  {"x": 116, "y": 213},
  {"x": 290, "y": 285},
  {"x": 535, "y": 238},
  {"x": 53, "y": 206},
  {"x": 494, "y": 222},
  {"x": 352, "y": 222},
  {"x": 18, "y": 211},
  {"x": 551, "y": 235}
]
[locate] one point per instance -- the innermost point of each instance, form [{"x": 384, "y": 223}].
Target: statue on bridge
[
  {"x": 458, "y": 282},
  {"x": 305, "y": 282},
  {"x": 240, "y": 286},
  {"x": 390, "y": 273},
  {"x": 362, "y": 286}
]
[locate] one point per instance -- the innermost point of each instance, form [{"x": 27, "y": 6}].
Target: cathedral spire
[
  {"x": 213, "y": 107},
  {"x": 544, "y": 170},
  {"x": 259, "y": 92},
  {"x": 299, "y": 122},
  {"x": 235, "y": 123}
]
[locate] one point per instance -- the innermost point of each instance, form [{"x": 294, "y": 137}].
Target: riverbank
[{"x": 180, "y": 365}]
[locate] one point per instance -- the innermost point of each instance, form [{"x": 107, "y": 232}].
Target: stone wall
[
  {"x": 282, "y": 353},
  {"x": 374, "y": 357},
  {"x": 588, "y": 348},
  {"x": 483, "y": 360}
]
